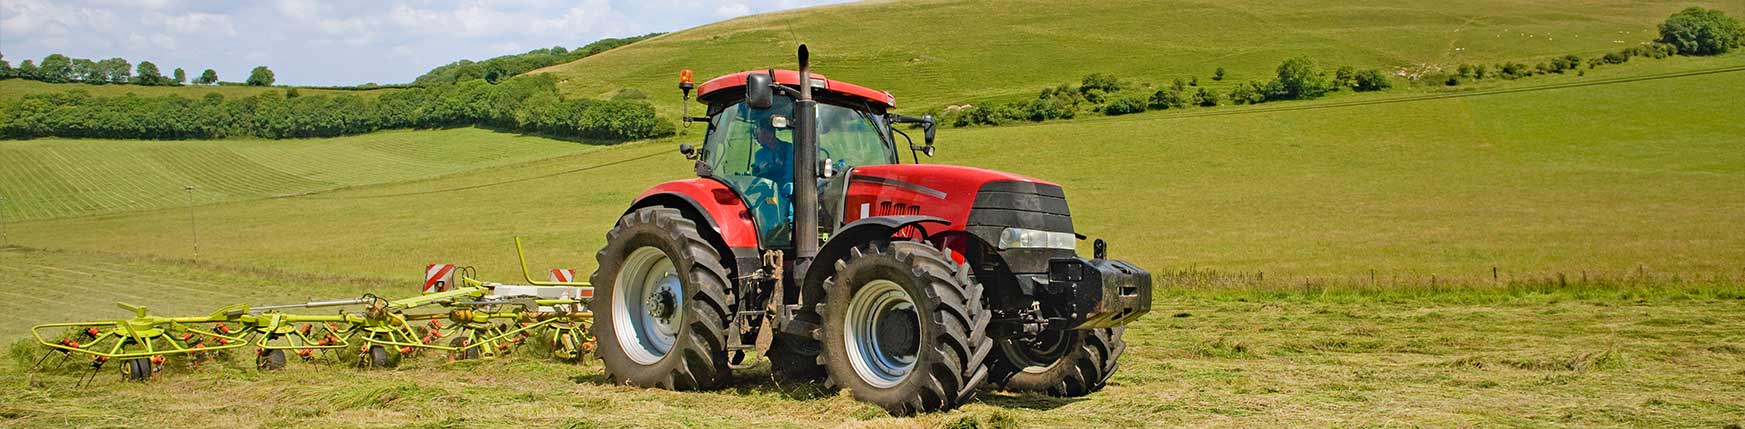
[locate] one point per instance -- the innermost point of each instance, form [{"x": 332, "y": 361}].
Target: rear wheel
[
  {"x": 1058, "y": 363},
  {"x": 905, "y": 328},
  {"x": 660, "y": 303}
]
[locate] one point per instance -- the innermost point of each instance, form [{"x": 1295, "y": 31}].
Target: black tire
[
  {"x": 137, "y": 369},
  {"x": 272, "y": 360},
  {"x": 796, "y": 358},
  {"x": 1083, "y": 363},
  {"x": 697, "y": 358},
  {"x": 951, "y": 320},
  {"x": 462, "y": 341},
  {"x": 379, "y": 357}
]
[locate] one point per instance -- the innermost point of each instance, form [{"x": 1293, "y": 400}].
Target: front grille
[{"x": 1001, "y": 205}]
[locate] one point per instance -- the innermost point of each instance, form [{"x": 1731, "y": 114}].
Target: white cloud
[
  {"x": 731, "y": 10},
  {"x": 193, "y": 23},
  {"x": 334, "y": 42}
]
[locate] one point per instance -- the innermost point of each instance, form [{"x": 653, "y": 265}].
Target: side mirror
[
  {"x": 758, "y": 93},
  {"x": 927, "y": 132},
  {"x": 690, "y": 152}
]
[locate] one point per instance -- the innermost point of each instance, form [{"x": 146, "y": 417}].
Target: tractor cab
[{"x": 752, "y": 149}]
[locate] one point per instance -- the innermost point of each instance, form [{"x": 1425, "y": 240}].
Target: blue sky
[{"x": 310, "y": 42}]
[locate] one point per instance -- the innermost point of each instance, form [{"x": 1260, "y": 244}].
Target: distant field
[
  {"x": 933, "y": 53},
  {"x": 53, "y": 178},
  {"x": 18, "y": 88}
]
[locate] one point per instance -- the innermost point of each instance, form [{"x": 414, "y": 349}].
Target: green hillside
[
  {"x": 53, "y": 178},
  {"x": 1529, "y": 182},
  {"x": 934, "y": 53}
]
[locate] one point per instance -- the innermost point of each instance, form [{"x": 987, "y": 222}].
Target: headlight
[{"x": 1012, "y": 238}]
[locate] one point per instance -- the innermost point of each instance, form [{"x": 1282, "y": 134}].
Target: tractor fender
[
  {"x": 709, "y": 203},
  {"x": 847, "y": 238}
]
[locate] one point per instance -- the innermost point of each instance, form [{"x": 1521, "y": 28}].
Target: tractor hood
[
  {"x": 944, "y": 191},
  {"x": 984, "y": 203}
]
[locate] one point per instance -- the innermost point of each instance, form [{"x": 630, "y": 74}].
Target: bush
[
  {"x": 1699, "y": 31},
  {"x": 1372, "y": 80},
  {"x": 1452, "y": 81},
  {"x": 1096, "y": 96},
  {"x": 1042, "y": 109},
  {"x": 1248, "y": 93},
  {"x": 1513, "y": 70},
  {"x": 1100, "y": 81},
  {"x": 1346, "y": 76},
  {"x": 1297, "y": 80},
  {"x": 1565, "y": 63},
  {"x": 1205, "y": 98},
  {"x": 1124, "y": 105},
  {"x": 1167, "y": 98},
  {"x": 1218, "y": 74},
  {"x": 1615, "y": 58}
]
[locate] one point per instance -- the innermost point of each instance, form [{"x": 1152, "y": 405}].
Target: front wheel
[
  {"x": 660, "y": 303},
  {"x": 905, "y": 329},
  {"x": 1058, "y": 363}
]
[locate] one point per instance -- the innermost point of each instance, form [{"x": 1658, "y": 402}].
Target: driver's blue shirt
[{"x": 774, "y": 162}]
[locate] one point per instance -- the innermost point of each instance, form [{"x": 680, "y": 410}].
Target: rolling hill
[{"x": 938, "y": 52}]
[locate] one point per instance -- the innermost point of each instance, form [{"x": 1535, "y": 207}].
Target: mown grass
[
  {"x": 55, "y": 178},
  {"x": 934, "y": 53},
  {"x": 1199, "y": 360},
  {"x": 18, "y": 88}
]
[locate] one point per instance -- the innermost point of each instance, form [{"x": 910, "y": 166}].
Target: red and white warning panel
[
  {"x": 438, "y": 277},
  {"x": 563, "y": 275}
]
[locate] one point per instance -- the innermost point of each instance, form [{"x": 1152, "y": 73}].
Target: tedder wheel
[
  {"x": 379, "y": 357},
  {"x": 137, "y": 369},
  {"x": 462, "y": 341},
  {"x": 904, "y": 328},
  {"x": 272, "y": 360},
  {"x": 660, "y": 303},
  {"x": 1057, "y": 363}
]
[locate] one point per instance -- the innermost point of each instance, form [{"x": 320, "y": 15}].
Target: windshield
[{"x": 747, "y": 150}]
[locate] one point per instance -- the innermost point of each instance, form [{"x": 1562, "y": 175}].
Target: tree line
[
  {"x": 504, "y": 67},
  {"x": 530, "y": 104},
  {"x": 58, "y": 68}
]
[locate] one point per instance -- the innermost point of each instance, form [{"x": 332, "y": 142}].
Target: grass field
[
  {"x": 55, "y": 178},
  {"x": 939, "y": 52},
  {"x": 1663, "y": 359},
  {"x": 18, "y": 88},
  {"x": 1554, "y": 252},
  {"x": 1531, "y": 183}
]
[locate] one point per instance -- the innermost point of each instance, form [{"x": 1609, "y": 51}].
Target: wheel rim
[
  {"x": 646, "y": 304},
  {"x": 1039, "y": 354},
  {"x": 881, "y": 315}
]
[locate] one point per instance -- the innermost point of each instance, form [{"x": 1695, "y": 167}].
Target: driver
[{"x": 774, "y": 157}]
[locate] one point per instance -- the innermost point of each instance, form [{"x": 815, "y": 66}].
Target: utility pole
[{"x": 193, "y": 228}]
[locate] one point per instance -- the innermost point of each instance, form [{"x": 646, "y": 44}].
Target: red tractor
[{"x": 804, "y": 239}]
